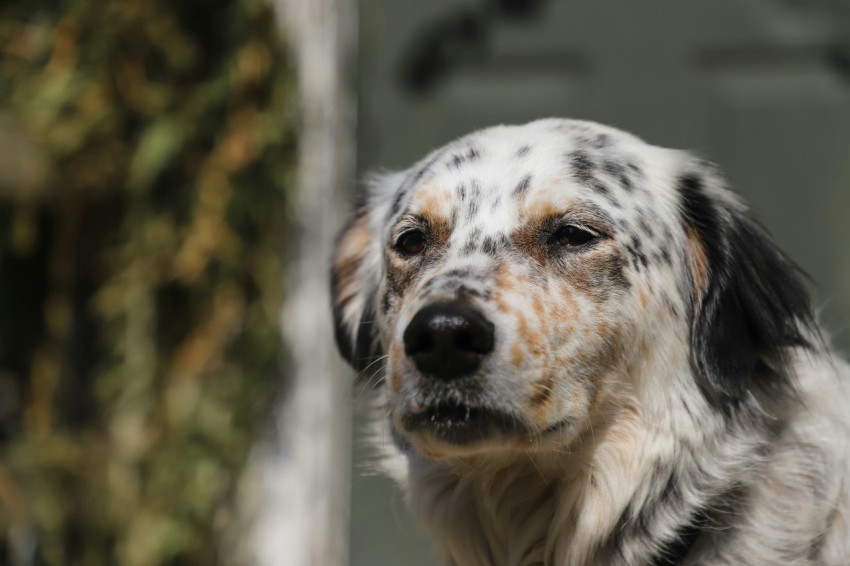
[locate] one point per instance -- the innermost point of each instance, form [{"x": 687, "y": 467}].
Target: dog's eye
[
  {"x": 412, "y": 242},
  {"x": 570, "y": 236}
]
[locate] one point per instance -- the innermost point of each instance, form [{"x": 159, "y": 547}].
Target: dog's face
[{"x": 505, "y": 288}]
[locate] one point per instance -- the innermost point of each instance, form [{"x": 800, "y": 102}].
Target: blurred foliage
[{"x": 145, "y": 147}]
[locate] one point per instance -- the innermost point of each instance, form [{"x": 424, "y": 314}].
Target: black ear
[
  {"x": 354, "y": 287},
  {"x": 750, "y": 305}
]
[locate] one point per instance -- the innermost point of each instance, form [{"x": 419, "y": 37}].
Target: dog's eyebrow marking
[{"x": 411, "y": 182}]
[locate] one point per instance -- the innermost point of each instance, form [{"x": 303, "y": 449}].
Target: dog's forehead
[{"x": 490, "y": 178}]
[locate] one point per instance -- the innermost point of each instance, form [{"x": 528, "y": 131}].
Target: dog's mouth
[{"x": 459, "y": 423}]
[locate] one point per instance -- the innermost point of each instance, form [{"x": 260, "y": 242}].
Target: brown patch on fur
[
  {"x": 533, "y": 340},
  {"x": 504, "y": 280},
  {"x": 350, "y": 253},
  {"x": 396, "y": 357},
  {"x": 699, "y": 262},
  {"x": 431, "y": 454},
  {"x": 400, "y": 274},
  {"x": 537, "y": 306},
  {"x": 517, "y": 356},
  {"x": 403, "y": 271},
  {"x": 527, "y": 237},
  {"x": 601, "y": 271},
  {"x": 542, "y": 394}
]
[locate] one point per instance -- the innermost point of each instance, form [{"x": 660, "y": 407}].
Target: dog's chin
[{"x": 448, "y": 429}]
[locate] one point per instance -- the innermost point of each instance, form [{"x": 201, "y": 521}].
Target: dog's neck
[
  {"x": 579, "y": 504},
  {"x": 525, "y": 508}
]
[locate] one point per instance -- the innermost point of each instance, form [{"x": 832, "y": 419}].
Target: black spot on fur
[
  {"x": 475, "y": 190},
  {"x": 523, "y": 151},
  {"x": 600, "y": 188},
  {"x": 522, "y": 186},
  {"x": 637, "y": 171},
  {"x": 582, "y": 165},
  {"x": 396, "y": 207},
  {"x": 365, "y": 348},
  {"x": 459, "y": 159},
  {"x": 644, "y": 224},
  {"x": 618, "y": 171},
  {"x": 461, "y": 192},
  {"x": 490, "y": 246},
  {"x": 472, "y": 243},
  {"x": 753, "y": 307},
  {"x": 601, "y": 141}
]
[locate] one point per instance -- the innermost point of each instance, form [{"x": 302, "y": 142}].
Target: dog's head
[{"x": 515, "y": 283}]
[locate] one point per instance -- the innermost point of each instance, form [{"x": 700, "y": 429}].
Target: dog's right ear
[
  {"x": 354, "y": 287},
  {"x": 356, "y": 273}
]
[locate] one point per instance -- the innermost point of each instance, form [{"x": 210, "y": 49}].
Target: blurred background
[{"x": 171, "y": 177}]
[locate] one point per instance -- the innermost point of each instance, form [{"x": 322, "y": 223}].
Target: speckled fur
[{"x": 671, "y": 395}]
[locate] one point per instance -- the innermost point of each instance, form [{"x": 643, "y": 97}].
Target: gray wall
[{"x": 761, "y": 87}]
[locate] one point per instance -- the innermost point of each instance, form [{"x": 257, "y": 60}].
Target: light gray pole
[{"x": 304, "y": 516}]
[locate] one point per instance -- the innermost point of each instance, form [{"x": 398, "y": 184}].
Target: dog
[{"x": 588, "y": 352}]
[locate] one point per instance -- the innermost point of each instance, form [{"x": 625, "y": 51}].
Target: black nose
[{"x": 448, "y": 340}]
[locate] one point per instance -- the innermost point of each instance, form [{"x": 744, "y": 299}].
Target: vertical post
[{"x": 306, "y": 481}]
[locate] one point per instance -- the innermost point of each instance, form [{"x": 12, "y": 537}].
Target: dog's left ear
[{"x": 749, "y": 303}]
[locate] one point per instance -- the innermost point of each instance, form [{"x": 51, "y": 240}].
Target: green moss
[{"x": 140, "y": 270}]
